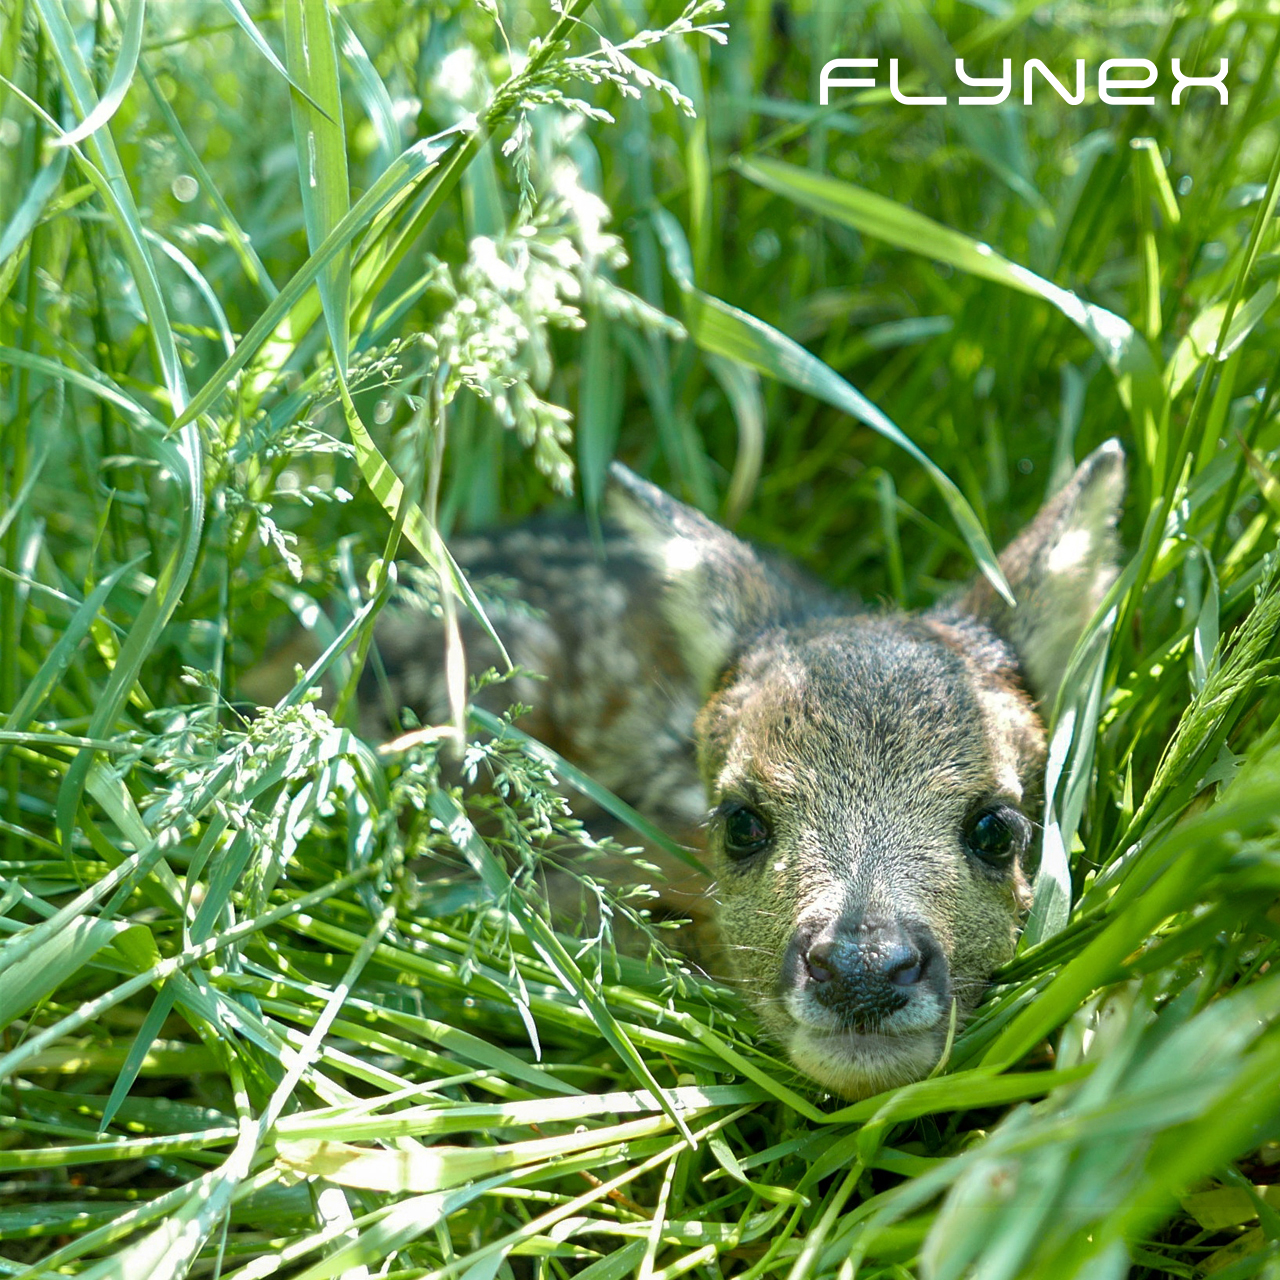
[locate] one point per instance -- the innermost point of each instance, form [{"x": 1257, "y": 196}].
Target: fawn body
[{"x": 864, "y": 783}]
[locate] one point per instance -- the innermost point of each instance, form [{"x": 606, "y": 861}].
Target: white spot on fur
[
  {"x": 612, "y": 598},
  {"x": 1071, "y": 552},
  {"x": 681, "y": 555}
]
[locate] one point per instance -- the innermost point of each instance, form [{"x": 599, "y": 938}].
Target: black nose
[{"x": 866, "y": 970}]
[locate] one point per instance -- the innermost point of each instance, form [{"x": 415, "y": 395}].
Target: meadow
[{"x": 293, "y": 294}]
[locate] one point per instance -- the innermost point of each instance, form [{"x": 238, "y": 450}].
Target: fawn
[{"x": 863, "y": 783}]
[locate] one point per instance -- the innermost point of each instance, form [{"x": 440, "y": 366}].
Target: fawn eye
[
  {"x": 745, "y": 830},
  {"x": 997, "y": 834}
]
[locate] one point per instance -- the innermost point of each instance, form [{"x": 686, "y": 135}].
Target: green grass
[{"x": 260, "y": 341}]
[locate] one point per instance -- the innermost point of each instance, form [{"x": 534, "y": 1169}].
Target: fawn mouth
[{"x": 857, "y": 1064}]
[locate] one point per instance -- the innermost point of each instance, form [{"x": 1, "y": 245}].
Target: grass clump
[{"x": 286, "y": 295}]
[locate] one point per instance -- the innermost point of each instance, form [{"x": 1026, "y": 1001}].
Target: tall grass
[{"x": 286, "y": 294}]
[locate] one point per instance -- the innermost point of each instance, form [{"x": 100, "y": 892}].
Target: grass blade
[
  {"x": 241, "y": 15},
  {"x": 373, "y": 93},
  {"x": 32, "y": 204},
  {"x": 587, "y": 786},
  {"x": 1123, "y": 348},
  {"x": 59, "y": 657},
  {"x": 121, "y": 77},
  {"x": 742, "y": 389},
  {"x": 411, "y": 166},
  {"x": 321, "y": 145},
  {"x": 540, "y": 934},
  {"x": 724, "y": 330}
]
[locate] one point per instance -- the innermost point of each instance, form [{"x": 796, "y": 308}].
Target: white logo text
[{"x": 1120, "y": 81}]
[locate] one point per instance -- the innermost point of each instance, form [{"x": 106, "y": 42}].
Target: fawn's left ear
[
  {"x": 1059, "y": 568},
  {"x": 719, "y": 590}
]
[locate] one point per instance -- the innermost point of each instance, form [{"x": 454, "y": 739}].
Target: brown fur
[{"x": 867, "y": 745}]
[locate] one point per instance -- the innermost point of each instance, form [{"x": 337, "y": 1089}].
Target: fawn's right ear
[
  {"x": 720, "y": 591},
  {"x": 1059, "y": 567}
]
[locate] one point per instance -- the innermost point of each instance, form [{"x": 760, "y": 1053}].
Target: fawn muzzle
[{"x": 863, "y": 972}]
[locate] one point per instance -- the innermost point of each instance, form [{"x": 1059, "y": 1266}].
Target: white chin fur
[{"x": 858, "y": 1066}]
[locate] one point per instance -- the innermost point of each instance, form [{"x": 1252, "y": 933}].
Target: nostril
[
  {"x": 820, "y": 963},
  {"x": 904, "y": 966}
]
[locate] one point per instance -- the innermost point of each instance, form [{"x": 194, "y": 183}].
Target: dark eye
[
  {"x": 745, "y": 830},
  {"x": 997, "y": 834}
]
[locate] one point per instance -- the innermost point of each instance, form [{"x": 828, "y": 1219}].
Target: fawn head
[{"x": 873, "y": 778}]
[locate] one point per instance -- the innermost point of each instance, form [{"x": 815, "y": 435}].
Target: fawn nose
[{"x": 864, "y": 971}]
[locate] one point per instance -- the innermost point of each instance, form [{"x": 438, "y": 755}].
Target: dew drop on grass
[{"x": 765, "y": 246}]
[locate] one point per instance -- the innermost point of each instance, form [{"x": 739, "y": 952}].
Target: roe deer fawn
[{"x": 864, "y": 783}]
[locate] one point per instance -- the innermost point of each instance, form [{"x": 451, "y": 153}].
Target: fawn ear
[
  {"x": 1059, "y": 568},
  {"x": 720, "y": 591}
]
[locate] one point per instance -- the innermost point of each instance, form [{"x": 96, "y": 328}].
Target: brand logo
[{"x": 1119, "y": 90}]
